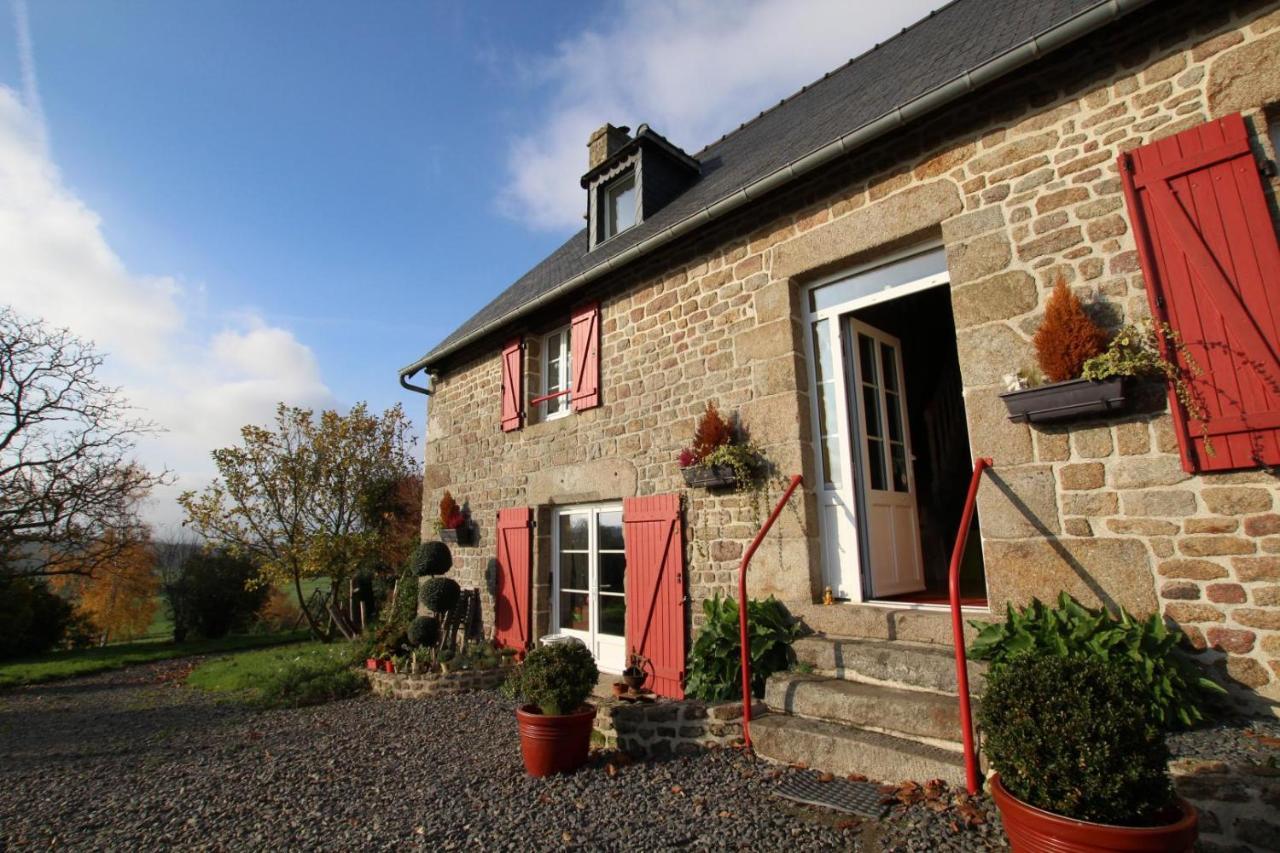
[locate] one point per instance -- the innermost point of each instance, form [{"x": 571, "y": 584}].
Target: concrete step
[
  {"x": 843, "y": 750},
  {"x": 921, "y": 666},
  {"x": 911, "y": 713}
]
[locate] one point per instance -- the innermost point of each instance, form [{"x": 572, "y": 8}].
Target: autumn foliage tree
[
  {"x": 290, "y": 497},
  {"x": 119, "y": 599},
  {"x": 1067, "y": 337}
]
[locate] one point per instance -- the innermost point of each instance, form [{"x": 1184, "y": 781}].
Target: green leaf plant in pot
[
  {"x": 555, "y": 721},
  {"x": 1081, "y": 762}
]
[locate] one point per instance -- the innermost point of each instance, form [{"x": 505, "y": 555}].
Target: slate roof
[{"x": 949, "y": 42}]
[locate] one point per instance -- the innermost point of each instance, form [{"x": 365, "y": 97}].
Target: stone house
[{"x": 853, "y": 274}]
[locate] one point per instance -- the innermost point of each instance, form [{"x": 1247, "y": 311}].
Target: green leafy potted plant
[
  {"x": 715, "y": 663},
  {"x": 555, "y": 721},
  {"x": 1081, "y": 764},
  {"x": 720, "y": 457}
]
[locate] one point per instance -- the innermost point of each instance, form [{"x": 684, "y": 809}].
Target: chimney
[{"x": 604, "y": 143}]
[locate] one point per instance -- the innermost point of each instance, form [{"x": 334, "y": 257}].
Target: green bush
[
  {"x": 405, "y": 606},
  {"x": 1177, "y": 693},
  {"x": 32, "y": 618},
  {"x": 1073, "y": 735},
  {"x": 440, "y": 595},
  {"x": 431, "y": 558},
  {"x": 715, "y": 664},
  {"x": 424, "y": 631},
  {"x": 214, "y": 595},
  {"x": 557, "y": 678}
]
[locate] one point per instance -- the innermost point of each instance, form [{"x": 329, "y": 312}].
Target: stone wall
[
  {"x": 405, "y": 685},
  {"x": 1020, "y": 185},
  {"x": 1239, "y": 804},
  {"x": 664, "y": 728}
]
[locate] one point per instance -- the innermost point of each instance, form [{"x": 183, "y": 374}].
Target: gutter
[{"x": 1016, "y": 57}]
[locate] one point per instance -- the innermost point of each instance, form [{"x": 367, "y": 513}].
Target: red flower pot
[
  {"x": 554, "y": 743},
  {"x": 388, "y": 666},
  {"x": 371, "y": 663},
  {"x": 1033, "y": 830}
]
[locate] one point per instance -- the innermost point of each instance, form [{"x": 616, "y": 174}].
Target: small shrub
[
  {"x": 1176, "y": 692},
  {"x": 405, "y": 606},
  {"x": 1071, "y": 735},
  {"x": 715, "y": 663},
  {"x": 312, "y": 680},
  {"x": 424, "y": 631},
  {"x": 451, "y": 516},
  {"x": 440, "y": 595},
  {"x": 216, "y": 594},
  {"x": 1067, "y": 337},
  {"x": 431, "y": 558},
  {"x": 557, "y": 678},
  {"x": 712, "y": 431},
  {"x": 33, "y": 619},
  {"x": 279, "y": 613}
]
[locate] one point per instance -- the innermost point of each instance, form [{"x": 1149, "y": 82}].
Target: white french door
[
  {"x": 892, "y": 530},
  {"x": 588, "y": 598}
]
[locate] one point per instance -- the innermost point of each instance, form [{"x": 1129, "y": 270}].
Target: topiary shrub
[
  {"x": 1067, "y": 337},
  {"x": 557, "y": 678},
  {"x": 431, "y": 558},
  {"x": 1071, "y": 735},
  {"x": 1177, "y": 693},
  {"x": 425, "y": 631},
  {"x": 715, "y": 664},
  {"x": 440, "y": 595}
]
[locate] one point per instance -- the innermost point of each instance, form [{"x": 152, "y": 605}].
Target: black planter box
[
  {"x": 457, "y": 536},
  {"x": 1064, "y": 401},
  {"x": 710, "y": 477}
]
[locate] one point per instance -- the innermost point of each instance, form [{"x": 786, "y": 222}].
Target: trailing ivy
[
  {"x": 715, "y": 663},
  {"x": 1177, "y": 693}
]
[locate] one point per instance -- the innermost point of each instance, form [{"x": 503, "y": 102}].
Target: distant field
[
  {"x": 161, "y": 627},
  {"x": 66, "y": 664}
]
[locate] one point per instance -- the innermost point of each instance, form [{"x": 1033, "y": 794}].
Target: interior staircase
[{"x": 883, "y": 708}]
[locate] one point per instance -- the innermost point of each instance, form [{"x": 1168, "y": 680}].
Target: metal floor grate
[{"x": 860, "y": 798}]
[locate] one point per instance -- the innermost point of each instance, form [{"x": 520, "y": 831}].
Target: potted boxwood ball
[
  {"x": 1082, "y": 764},
  {"x": 431, "y": 558},
  {"x": 555, "y": 722}
]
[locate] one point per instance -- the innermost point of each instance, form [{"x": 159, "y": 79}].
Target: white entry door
[
  {"x": 892, "y": 564},
  {"x": 589, "y": 581}
]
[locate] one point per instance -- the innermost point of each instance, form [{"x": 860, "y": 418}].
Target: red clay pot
[
  {"x": 371, "y": 663},
  {"x": 388, "y": 666},
  {"x": 1033, "y": 830},
  {"x": 554, "y": 743}
]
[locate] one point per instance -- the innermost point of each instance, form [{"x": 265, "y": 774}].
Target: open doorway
[{"x": 935, "y": 439}]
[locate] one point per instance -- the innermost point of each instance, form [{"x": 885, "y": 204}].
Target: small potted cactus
[{"x": 555, "y": 720}]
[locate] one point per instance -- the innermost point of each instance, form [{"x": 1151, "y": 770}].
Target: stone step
[
  {"x": 843, "y": 750},
  {"x": 911, "y": 713},
  {"x": 921, "y": 666}
]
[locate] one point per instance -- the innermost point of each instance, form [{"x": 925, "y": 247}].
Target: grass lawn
[
  {"x": 262, "y": 671},
  {"x": 65, "y": 664}
]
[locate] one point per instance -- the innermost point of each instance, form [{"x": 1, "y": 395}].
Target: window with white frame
[
  {"x": 557, "y": 373},
  {"x": 621, "y": 205},
  {"x": 589, "y": 579}
]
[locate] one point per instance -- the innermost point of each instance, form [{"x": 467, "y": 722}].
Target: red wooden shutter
[
  {"x": 512, "y": 385},
  {"x": 1212, "y": 266},
  {"x": 655, "y": 588},
  {"x": 515, "y": 578},
  {"x": 585, "y": 348}
]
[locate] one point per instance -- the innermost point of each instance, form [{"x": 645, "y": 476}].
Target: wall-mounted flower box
[
  {"x": 463, "y": 535},
  {"x": 710, "y": 477},
  {"x": 1063, "y": 401}
]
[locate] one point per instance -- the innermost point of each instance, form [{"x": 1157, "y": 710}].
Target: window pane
[
  {"x": 899, "y": 453},
  {"x": 824, "y": 366},
  {"x": 611, "y": 531},
  {"x": 831, "y": 462},
  {"x": 893, "y": 406},
  {"x": 867, "y": 357},
  {"x": 875, "y": 461},
  {"x": 613, "y": 568},
  {"x": 574, "y": 611},
  {"x": 622, "y": 204},
  {"x": 871, "y": 410},
  {"x": 574, "y": 573},
  {"x": 890, "y": 361},
  {"x": 574, "y": 530},
  {"x": 613, "y": 615}
]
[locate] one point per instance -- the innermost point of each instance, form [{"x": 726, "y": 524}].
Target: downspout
[
  {"x": 964, "y": 84},
  {"x": 405, "y": 383}
]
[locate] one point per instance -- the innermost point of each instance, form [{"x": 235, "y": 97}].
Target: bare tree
[{"x": 68, "y": 483}]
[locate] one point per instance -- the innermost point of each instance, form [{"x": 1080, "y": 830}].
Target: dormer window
[
  {"x": 630, "y": 178},
  {"x": 621, "y": 205}
]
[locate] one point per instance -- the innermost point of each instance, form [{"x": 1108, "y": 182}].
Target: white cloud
[
  {"x": 692, "y": 70},
  {"x": 199, "y": 380}
]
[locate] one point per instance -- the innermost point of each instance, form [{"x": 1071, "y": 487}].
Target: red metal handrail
[
  {"x": 957, "y": 628},
  {"x": 742, "y": 608}
]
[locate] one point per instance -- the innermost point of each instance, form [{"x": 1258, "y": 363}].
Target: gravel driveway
[{"x": 134, "y": 760}]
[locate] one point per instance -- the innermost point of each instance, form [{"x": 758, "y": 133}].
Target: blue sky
[{"x": 248, "y": 201}]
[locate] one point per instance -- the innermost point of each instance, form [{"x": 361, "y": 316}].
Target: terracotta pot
[
  {"x": 371, "y": 663},
  {"x": 619, "y": 689},
  {"x": 554, "y": 743},
  {"x": 1033, "y": 830},
  {"x": 388, "y": 666}
]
